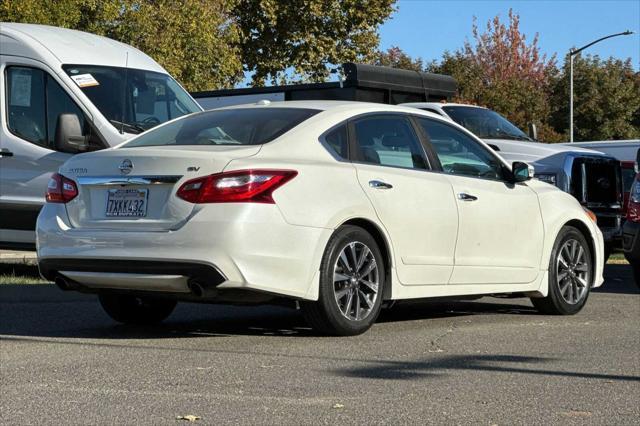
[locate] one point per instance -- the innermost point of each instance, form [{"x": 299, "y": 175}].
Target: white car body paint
[{"x": 439, "y": 245}]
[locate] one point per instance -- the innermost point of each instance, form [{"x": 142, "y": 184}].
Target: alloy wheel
[
  {"x": 356, "y": 281},
  {"x": 572, "y": 272}
]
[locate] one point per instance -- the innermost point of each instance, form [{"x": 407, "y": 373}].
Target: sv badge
[{"x": 193, "y": 169}]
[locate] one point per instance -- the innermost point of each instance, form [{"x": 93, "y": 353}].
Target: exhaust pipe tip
[
  {"x": 195, "y": 288},
  {"x": 62, "y": 283},
  {"x": 200, "y": 290}
]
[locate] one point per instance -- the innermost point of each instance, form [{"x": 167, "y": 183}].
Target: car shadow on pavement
[
  {"x": 437, "y": 366},
  {"x": 81, "y": 316},
  {"x": 618, "y": 279}
]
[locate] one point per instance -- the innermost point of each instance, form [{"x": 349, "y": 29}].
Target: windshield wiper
[
  {"x": 131, "y": 128},
  {"x": 501, "y": 134}
]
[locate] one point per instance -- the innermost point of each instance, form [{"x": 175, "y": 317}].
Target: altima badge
[{"x": 126, "y": 167}]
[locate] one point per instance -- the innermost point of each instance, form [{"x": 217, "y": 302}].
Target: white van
[{"x": 63, "y": 92}]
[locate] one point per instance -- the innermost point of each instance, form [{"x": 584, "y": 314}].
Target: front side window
[
  {"x": 132, "y": 100},
  {"x": 388, "y": 141},
  {"x": 34, "y": 103},
  {"x": 238, "y": 126},
  {"x": 459, "y": 154},
  {"x": 26, "y": 111}
]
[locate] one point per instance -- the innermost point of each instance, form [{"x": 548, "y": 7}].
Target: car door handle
[
  {"x": 466, "y": 197},
  {"x": 377, "y": 184},
  {"x": 4, "y": 152}
]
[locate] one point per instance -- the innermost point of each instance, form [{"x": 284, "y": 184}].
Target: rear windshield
[{"x": 243, "y": 126}]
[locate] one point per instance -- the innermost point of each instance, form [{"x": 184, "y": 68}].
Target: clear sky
[{"x": 427, "y": 28}]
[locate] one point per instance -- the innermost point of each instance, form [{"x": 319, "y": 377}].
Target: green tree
[
  {"x": 606, "y": 99},
  {"x": 196, "y": 42},
  {"x": 503, "y": 71},
  {"x": 299, "y": 40},
  {"x": 396, "y": 58},
  {"x": 207, "y": 44}
]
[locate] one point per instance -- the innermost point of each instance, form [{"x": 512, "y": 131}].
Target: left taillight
[
  {"x": 248, "y": 186},
  {"x": 61, "y": 189}
]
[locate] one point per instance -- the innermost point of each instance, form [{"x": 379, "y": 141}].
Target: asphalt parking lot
[{"x": 489, "y": 361}]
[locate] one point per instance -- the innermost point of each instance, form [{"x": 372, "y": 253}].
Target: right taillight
[
  {"x": 61, "y": 189},
  {"x": 240, "y": 186},
  {"x": 633, "y": 211}
]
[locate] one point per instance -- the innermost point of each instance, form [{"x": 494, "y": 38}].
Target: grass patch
[
  {"x": 12, "y": 279},
  {"x": 617, "y": 259}
]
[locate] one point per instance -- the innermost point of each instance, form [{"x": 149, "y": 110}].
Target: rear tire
[
  {"x": 352, "y": 278},
  {"x": 129, "y": 309},
  {"x": 570, "y": 274}
]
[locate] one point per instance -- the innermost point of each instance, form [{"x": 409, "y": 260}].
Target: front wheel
[
  {"x": 570, "y": 274},
  {"x": 352, "y": 277},
  {"x": 129, "y": 309}
]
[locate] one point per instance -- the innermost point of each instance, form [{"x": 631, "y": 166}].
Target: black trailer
[{"x": 365, "y": 83}]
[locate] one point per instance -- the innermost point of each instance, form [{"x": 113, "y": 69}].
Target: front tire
[
  {"x": 352, "y": 278},
  {"x": 129, "y": 309},
  {"x": 570, "y": 274}
]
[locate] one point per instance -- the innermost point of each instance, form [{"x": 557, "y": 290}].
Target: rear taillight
[
  {"x": 633, "y": 210},
  {"x": 61, "y": 189},
  {"x": 248, "y": 186}
]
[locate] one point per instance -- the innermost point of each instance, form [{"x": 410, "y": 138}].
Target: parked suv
[
  {"x": 594, "y": 178},
  {"x": 63, "y": 92}
]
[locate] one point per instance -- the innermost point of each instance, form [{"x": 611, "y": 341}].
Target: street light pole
[{"x": 572, "y": 53}]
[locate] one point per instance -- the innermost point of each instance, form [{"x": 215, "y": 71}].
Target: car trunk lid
[{"x": 134, "y": 188}]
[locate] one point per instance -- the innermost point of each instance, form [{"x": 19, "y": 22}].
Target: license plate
[{"x": 127, "y": 202}]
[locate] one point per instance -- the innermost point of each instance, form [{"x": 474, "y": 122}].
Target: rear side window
[
  {"x": 388, "y": 141},
  {"x": 243, "y": 126},
  {"x": 337, "y": 141}
]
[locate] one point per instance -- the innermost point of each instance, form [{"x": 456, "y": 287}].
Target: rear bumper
[{"x": 232, "y": 246}]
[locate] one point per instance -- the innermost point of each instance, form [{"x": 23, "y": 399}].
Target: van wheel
[
  {"x": 352, "y": 277},
  {"x": 570, "y": 275},
  {"x": 129, "y": 309}
]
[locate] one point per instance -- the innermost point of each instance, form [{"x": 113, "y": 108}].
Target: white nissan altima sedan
[{"x": 339, "y": 206}]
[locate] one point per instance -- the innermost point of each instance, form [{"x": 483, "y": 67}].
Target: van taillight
[
  {"x": 241, "y": 186},
  {"x": 61, "y": 189}
]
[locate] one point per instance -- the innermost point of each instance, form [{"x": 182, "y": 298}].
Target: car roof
[
  {"x": 439, "y": 105},
  {"x": 53, "y": 44}
]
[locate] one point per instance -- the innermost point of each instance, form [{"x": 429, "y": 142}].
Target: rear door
[
  {"x": 416, "y": 206},
  {"x": 500, "y": 225}
]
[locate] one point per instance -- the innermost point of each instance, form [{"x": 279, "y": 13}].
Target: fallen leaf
[{"x": 189, "y": 418}]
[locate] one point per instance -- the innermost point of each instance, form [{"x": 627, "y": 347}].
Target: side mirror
[
  {"x": 521, "y": 172},
  {"x": 637, "y": 166},
  {"x": 69, "y": 137},
  {"x": 533, "y": 131}
]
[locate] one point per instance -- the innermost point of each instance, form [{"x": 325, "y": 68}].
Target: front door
[
  {"x": 500, "y": 232},
  {"x": 34, "y": 100}
]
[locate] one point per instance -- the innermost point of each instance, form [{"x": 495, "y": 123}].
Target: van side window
[
  {"x": 26, "y": 111},
  {"x": 34, "y": 103}
]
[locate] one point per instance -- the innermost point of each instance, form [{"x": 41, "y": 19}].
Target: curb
[{"x": 40, "y": 293}]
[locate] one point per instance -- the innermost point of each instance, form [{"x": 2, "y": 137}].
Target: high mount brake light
[
  {"x": 241, "y": 186},
  {"x": 61, "y": 189}
]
